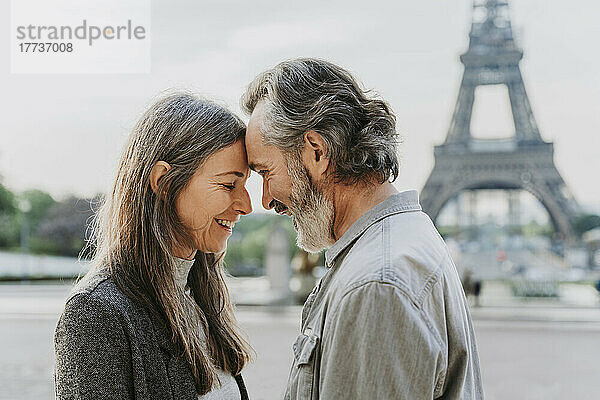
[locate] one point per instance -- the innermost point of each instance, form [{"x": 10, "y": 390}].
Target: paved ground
[{"x": 537, "y": 351}]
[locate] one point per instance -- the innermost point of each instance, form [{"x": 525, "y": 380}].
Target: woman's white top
[{"x": 228, "y": 390}]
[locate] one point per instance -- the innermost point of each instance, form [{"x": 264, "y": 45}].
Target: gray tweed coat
[{"x": 109, "y": 347}]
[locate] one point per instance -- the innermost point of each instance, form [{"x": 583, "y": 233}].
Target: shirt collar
[{"x": 396, "y": 203}]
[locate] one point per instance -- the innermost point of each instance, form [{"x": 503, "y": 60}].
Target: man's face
[{"x": 288, "y": 188}]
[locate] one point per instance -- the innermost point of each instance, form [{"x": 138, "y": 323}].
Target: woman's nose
[{"x": 244, "y": 203}]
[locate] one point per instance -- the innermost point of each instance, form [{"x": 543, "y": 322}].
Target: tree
[
  {"x": 9, "y": 218},
  {"x": 8, "y": 202},
  {"x": 40, "y": 202},
  {"x": 63, "y": 229}
]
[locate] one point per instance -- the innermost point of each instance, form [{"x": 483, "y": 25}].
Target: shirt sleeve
[
  {"x": 93, "y": 359},
  {"x": 378, "y": 345}
]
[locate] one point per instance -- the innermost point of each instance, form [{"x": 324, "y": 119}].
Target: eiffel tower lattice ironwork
[{"x": 524, "y": 161}]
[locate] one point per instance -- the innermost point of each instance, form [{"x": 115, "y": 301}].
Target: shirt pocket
[{"x": 303, "y": 374}]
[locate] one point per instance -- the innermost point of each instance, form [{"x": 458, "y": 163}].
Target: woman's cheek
[{"x": 215, "y": 205}]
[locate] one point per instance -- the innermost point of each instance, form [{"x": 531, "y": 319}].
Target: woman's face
[{"x": 214, "y": 199}]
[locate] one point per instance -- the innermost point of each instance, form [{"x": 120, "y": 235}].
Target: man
[{"x": 389, "y": 320}]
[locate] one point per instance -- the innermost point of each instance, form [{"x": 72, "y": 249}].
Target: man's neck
[{"x": 352, "y": 202}]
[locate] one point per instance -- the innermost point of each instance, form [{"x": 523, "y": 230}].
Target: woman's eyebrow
[{"x": 236, "y": 173}]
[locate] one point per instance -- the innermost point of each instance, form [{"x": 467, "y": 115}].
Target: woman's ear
[{"x": 158, "y": 170}]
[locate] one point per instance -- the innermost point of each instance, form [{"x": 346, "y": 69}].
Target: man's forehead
[
  {"x": 253, "y": 134},
  {"x": 253, "y": 131},
  {"x": 256, "y": 117},
  {"x": 254, "y": 144},
  {"x": 255, "y": 147},
  {"x": 260, "y": 156}
]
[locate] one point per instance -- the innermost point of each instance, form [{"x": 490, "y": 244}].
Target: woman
[{"x": 152, "y": 318}]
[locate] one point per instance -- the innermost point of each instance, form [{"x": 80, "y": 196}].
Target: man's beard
[{"x": 313, "y": 211}]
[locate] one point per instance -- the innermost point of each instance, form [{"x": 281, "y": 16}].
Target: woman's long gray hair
[{"x": 135, "y": 231}]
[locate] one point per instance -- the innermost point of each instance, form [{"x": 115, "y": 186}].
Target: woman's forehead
[{"x": 230, "y": 160}]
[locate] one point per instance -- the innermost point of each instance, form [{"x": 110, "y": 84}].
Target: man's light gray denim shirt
[{"x": 389, "y": 320}]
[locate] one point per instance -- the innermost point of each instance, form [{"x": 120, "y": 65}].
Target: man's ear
[
  {"x": 158, "y": 170},
  {"x": 314, "y": 154}
]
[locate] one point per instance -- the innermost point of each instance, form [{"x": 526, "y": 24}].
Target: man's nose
[{"x": 267, "y": 199}]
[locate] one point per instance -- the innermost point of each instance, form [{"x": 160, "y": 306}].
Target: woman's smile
[{"x": 225, "y": 224}]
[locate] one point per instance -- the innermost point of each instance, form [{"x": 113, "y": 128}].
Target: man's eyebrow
[
  {"x": 236, "y": 173},
  {"x": 257, "y": 166}
]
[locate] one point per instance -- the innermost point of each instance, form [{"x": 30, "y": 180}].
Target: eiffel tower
[{"x": 523, "y": 161}]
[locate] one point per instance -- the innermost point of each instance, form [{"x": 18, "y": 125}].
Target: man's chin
[
  {"x": 310, "y": 248},
  {"x": 307, "y": 245}
]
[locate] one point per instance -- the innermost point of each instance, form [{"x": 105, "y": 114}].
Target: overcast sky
[{"x": 64, "y": 133}]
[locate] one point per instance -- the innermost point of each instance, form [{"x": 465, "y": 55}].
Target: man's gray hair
[{"x": 311, "y": 94}]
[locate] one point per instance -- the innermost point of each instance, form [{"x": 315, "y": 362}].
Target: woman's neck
[{"x": 185, "y": 253}]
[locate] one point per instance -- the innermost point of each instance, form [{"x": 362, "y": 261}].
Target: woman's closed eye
[{"x": 228, "y": 186}]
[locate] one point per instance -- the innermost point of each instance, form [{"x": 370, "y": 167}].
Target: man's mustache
[{"x": 279, "y": 206}]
